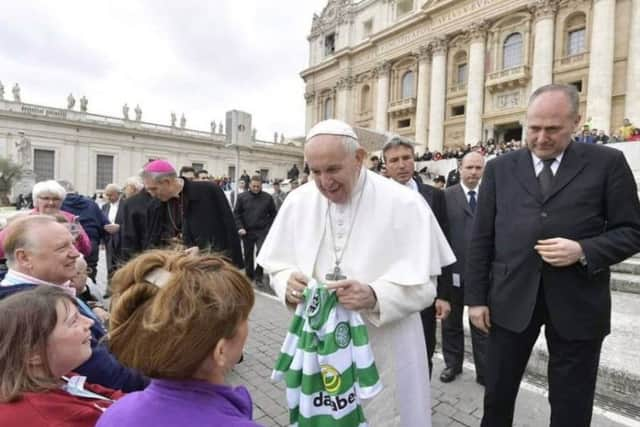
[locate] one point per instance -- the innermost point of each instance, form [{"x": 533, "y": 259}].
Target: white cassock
[{"x": 397, "y": 247}]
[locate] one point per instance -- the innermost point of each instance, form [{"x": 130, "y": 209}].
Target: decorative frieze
[{"x": 543, "y": 9}]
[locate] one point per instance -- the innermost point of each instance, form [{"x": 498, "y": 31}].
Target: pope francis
[{"x": 379, "y": 246}]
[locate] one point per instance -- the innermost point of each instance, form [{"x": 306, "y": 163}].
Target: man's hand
[
  {"x": 296, "y": 285},
  {"x": 242, "y": 232},
  {"x": 112, "y": 228},
  {"x": 479, "y": 316},
  {"x": 354, "y": 295},
  {"x": 559, "y": 252},
  {"x": 443, "y": 308}
]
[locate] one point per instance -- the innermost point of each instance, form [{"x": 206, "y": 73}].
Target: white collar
[{"x": 467, "y": 189}]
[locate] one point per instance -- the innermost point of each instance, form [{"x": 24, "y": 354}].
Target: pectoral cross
[{"x": 336, "y": 275}]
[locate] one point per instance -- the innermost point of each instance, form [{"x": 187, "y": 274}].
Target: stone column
[
  {"x": 601, "y": 64},
  {"x": 422, "y": 103},
  {"x": 475, "y": 85},
  {"x": 438, "y": 94},
  {"x": 382, "y": 96},
  {"x": 309, "y": 121},
  {"x": 543, "y": 48},
  {"x": 344, "y": 98},
  {"x": 632, "y": 96}
]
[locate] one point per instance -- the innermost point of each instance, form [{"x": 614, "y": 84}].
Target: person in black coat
[
  {"x": 193, "y": 213},
  {"x": 462, "y": 201},
  {"x": 399, "y": 156},
  {"x": 132, "y": 217},
  {"x": 550, "y": 221},
  {"x": 254, "y": 213}
]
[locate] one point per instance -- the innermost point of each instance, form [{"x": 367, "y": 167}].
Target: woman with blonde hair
[
  {"x": 43, "y": 338},
  {"x": 180, "y": 318}
]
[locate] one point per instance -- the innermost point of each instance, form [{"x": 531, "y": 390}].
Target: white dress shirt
[{"x": 538, "y": 164}]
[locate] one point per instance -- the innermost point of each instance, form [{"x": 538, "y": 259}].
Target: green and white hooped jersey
[{"x": 326, "y": 363}]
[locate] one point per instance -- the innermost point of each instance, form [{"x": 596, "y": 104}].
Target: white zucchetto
[{"x": 332, "y": 127}]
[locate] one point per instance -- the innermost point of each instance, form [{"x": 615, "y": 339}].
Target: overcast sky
[{"x": 200, "y": 57}]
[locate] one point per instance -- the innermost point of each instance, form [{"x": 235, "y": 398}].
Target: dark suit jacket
[
  {"x": 460, "y": 226},
  {"x": 132, "y": 217},
  {"x": 593, "y": 200},
  {"x": 208, "y": 222},
  {"x": 436, "y": 201}
]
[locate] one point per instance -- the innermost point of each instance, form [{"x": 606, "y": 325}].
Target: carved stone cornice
[
  {"x": 544, "y": 9},
  {"x": 439, "y": 45},
  {"x": 309, "y": 97},
  {"x": 382, "y": 69},
  {"x": 478, "y": 31},
  {"x": 336, "y": 12}
]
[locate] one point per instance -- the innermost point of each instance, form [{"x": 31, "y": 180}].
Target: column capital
[
  {"x": 382, "y": 69},
  {"x": 345, "y": 82},
  {"x": 424, "y": 52},
  {"x": 477, "y": 31},
  {"x": 439, "y": 45},
  {"x": 309, "y": 97},
  {"x": 544, "y": 9}
]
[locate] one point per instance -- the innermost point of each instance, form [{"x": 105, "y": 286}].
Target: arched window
[
  {"x": 328, "y": 109},
  {"x": 575, "y": 34},
  {"x": 512, "y": 51},
  {"x": 408, "y": 90},
  {"x": 365, "y": 98}
]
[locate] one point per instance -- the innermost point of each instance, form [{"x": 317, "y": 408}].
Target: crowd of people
[{"x": 369, "y": 262}]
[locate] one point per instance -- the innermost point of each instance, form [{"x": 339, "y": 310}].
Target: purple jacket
[{"x": 168, "y": 403}]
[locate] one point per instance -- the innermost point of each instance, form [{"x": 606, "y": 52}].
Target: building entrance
[{"x": 508, "y": 132}]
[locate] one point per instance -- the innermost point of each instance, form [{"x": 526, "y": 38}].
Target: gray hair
[
  {"x": 20, "y": 235},
  {"x": 135, "y": 182},
  {"x": 397, "y": 141},
  {"x": 570, "y": 92},
  {"x": 68, "y": 186},
  {"x": 48, "y": 187},
  {"x": 112, "y": 187}
]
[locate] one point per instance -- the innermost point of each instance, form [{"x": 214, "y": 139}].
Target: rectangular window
[
  {"x": 458, "y": 110},
  {"x": 197, "y": 166},
  {"x": 576, "y": 42},
  {"x": 104, "y": 170},
  {"x": 44, "y": 164},
  {"x": 403, "y": 8},
  {"x": 231, "y": 173},
  {"x": 264, "y": 174},
  {"x": 367, "y": 28},
  {"x": 330, "y": 44},
  {"x": 462, "y": 74},
  {"x": 405, "y": 123}
]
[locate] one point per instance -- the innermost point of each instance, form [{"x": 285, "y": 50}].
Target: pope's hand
[
  {"x": 479, "y": 316},
  {"x": 559, "y": 252},
  {"x": 354, "y": 295},
  {"x": 443, "y": 308},
  {"x": 296, "y": 285}
]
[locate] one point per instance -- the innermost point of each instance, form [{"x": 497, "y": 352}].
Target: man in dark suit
[
  {"x": 110, "y": 209},
  {"x": 132, "y": 217},
  {"x": 462, "y": 200},
  {"x": 399, "y": 157},
  {"x": 193, "y": 213},
  {"x": 550, "y": 221}
]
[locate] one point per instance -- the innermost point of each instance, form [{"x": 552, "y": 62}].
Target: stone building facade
[
  {"x": 454, "y": 72},
  {"x": 92, "y": 150}
]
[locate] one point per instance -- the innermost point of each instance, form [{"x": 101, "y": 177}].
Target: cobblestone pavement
[{"x": 455, "y": 404}]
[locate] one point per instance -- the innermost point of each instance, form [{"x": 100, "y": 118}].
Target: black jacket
[
  {"x": 436, "y": 201},
  {"x": 132, "y": 217},
  {"x": 207, "y": 222},
  {"x": 254, "y": 212}
]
